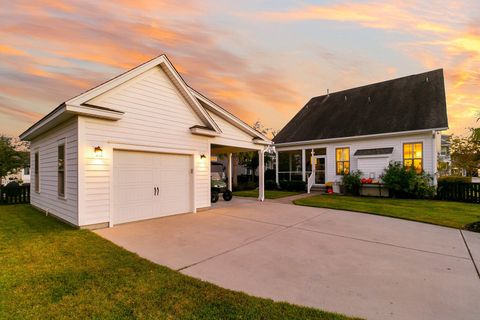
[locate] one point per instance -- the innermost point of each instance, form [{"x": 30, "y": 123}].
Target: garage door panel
[{"x": 136, "y": 176}]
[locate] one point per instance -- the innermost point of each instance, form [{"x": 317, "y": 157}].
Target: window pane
[
  {"x": 346, "y": 154},
  {"x": 320, "y": 152},
  {"x": 308, "y": 160},
  {"x": 339, "y": 167},
  {"x": 417, "y": 164},
  {"x": 339, "y": 155},
  {"x": 346, "y": 169},
  {"x": 61, "y": 157},
  {"x": 37, "y": 172},
  {"x": 407, "y": 151},
  {"x": 407, "y": 163},
  {"x": 290, "y": 160},
  {"x": 418, "y": 150},
  {"x": 61, "y": 183}
]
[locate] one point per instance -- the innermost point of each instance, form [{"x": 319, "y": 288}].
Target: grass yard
[
  {"x": 269, "y": 194},
  {"x": 50, "y": 270},
  {"x": 444, "y": 213}
]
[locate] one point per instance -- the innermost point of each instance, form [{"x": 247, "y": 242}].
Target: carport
[{"x": 229, "y": 151}]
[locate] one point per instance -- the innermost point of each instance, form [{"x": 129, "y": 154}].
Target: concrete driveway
[{"x": 356, "y": 264}]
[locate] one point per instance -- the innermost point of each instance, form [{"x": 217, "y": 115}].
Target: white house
[
  {"x": 135, "y": 147},
  {"x": 364, "y": 129}
]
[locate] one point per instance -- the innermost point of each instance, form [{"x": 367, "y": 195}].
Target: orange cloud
[
  {"x": 8, "y": 50},
  {"x": 381, "y": 15}
]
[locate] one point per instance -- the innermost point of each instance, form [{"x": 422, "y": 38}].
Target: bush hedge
[
  {"x": 270, "y": 174},
  {"x": 270, "y": 185},
  {"x": 454, "y": 179},
  {"x": 295, "y": 185},
  {"x": 406, "y": 183},
  {"x": 352, "y": 182},
  {"x": 248, "y": 185}
]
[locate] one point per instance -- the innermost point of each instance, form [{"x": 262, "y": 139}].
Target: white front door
[
  {"x": 320, "y": 167},
  {"x": 151, "y": 185}
]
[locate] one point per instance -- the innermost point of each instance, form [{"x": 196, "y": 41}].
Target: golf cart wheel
[
  {"x": 227, "y": 195},
  {"x": 214, "y": 196}
]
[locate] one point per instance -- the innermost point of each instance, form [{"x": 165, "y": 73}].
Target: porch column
[
  {"x": 303, "y": 165},
  {"x": 230, "y": 172},
  {"x": 261, "y": 175},
  {"x": 277, "y": 166}
]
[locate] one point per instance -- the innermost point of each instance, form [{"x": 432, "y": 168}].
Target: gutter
[{"x": 377, "y": 135}]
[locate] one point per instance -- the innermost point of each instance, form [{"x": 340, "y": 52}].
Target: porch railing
[
  {"x": 14, "y": 194},
  {"x": 310, "y": 181}
]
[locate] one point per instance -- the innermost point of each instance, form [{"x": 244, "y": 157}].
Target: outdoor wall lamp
[
  {"x": 98, "y": 152},
  {"x": 203, "y": 156}
]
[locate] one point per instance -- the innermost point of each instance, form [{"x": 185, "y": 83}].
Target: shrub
[
  {"x": 454, "y": 179},
  {"x": 271, "y": 185},
  {"x": 294, "y": 185},
  {"x": 270, "y": 174},
  {"x": 351, "y": 182},
  {"x": 406, "y": 183},
  {"x": 248, "y": 185}
]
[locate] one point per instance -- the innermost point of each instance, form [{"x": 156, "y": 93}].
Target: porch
[{"x": 309, "y": 165}]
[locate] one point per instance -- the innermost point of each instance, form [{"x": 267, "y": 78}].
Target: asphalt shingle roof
[{"x": 409, "y": 103}]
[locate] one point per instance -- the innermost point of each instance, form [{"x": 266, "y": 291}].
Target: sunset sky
[{"x": 262, "y": 60}]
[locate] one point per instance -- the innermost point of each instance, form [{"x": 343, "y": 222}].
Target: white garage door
[{"x": 151, "y": 185}]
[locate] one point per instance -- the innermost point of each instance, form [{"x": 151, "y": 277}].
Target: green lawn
[
  {"x": 50, "y": 270},
  {"x": 269, "y": 194},
  {"x": 444, "y": 213}
]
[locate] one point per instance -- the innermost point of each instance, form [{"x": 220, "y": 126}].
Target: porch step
[{"x": 318, "y": 189}]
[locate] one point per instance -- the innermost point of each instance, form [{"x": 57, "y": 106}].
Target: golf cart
[{"x": 218, "y": 182}]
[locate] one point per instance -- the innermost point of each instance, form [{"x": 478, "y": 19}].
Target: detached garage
[{"x": 136, "y": 147}]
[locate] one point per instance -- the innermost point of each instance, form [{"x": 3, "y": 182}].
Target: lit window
[
  {"x": 342, "y": 160},
  {"x": 413, "y": 156},
  {"x": 61, "y": 170}
]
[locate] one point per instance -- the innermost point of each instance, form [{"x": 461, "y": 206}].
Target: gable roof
[
  {"x": 229, "y": 117},
  {"x": 81, "y": 104},
  {"x": 411, "y": 103}
]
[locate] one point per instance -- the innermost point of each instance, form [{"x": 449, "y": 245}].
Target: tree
[
  {"x": 264, "y": 130},
  {"x": 250, "y": 159},
  {"x": 475, "y": 132},
  {"x": 13, "y": 155},
  {"x": 466, "y": 154}
]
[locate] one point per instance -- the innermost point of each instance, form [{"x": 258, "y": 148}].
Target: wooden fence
[
  {"x": 459, "y": 191},
  {"x": 15, "y": 194}
]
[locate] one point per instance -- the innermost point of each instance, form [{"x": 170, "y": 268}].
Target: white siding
[
  {"x": 429, "y": 162},
  {"x": 46, "y": 145},
  {"x": 372, "y": 165},
  {"x": 156, "y": 116}
]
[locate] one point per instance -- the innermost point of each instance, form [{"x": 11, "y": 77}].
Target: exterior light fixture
[
  {"x": 98, "y": 152},
  {"x": 203, "y": 156}
]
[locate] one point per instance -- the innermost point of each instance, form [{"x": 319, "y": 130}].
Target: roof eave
[
  {"x": 65, "y": 112},
  {"x": 320, "y": 141},
  {"x": 204, "y": 132}
]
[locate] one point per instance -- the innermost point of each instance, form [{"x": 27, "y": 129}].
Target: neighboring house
[
  {"x": 444, "y": 158},
  {"x": 364, "y": 129},
  {"x": 135, "y": 147},
  {"x": 22, "y": 175}
]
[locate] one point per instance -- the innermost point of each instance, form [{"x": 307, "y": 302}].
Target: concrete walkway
[{"x": 357, "y": 264}]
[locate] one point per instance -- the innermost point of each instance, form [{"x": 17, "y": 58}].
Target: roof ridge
[{"x": 379, "y": 82}]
